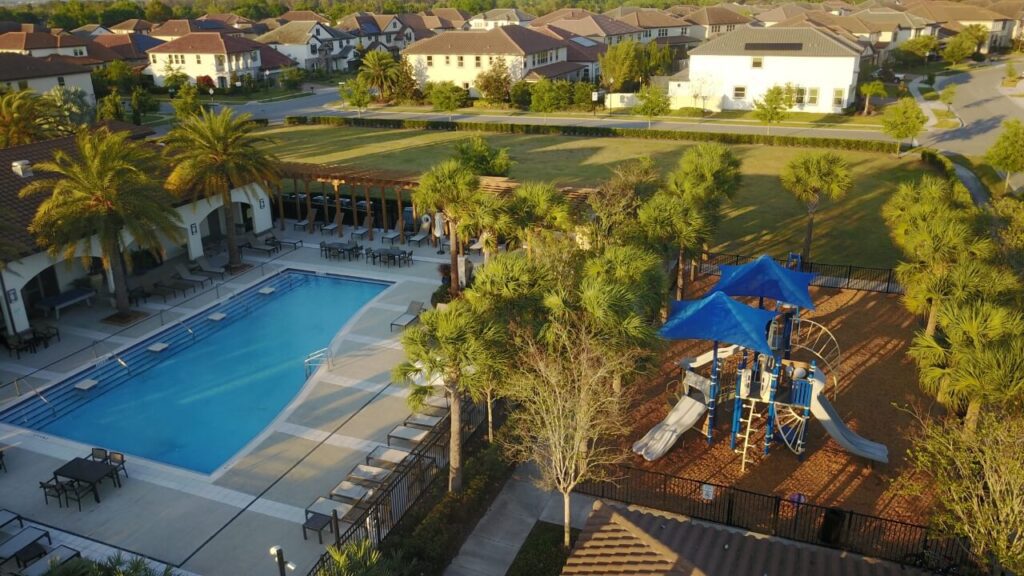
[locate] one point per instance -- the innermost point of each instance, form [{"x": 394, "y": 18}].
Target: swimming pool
[{"x": 217, "y": 384}]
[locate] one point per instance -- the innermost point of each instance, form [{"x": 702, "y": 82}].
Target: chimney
[{"x": 22, "y": 168}]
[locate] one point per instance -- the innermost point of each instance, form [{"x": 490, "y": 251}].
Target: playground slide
[
  {"x": 658, "y": 440},
  {"x": 823, "y": 410}
]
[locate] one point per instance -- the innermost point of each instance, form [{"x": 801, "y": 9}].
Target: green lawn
[
  {"x": 947, "y": 120},
  {"x": 542, "y": 553},
  {"x": 762, "y": 218},
  {"x": 929, "y": 93}
]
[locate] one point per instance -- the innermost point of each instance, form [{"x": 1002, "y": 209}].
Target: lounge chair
[
  {"x": 386, "y": 457},
  {"x": 394, "y": 234},
  {"x": 184, "y": 274},
  {"x": 350, "y": 492},
  {"x": 368, "y": 474},
  {"x": 272, "y": 240},
  {"x": 207, "y": 268},
  {"x": 14, "y": 546},
  {"x": 425, "y": 421},
  {"x": 254, "y": 243},
  {"x": 301, "y": 224},
  {"x": 53, "y": 559},
  {"x": 407, "y": 434},
  {"x": 411, "y": 314},
  {"x": 477, "y": 246},
  {"x": 360, "y": 231},
  {"x": 6, "y": 517},
  {"x": 422, "y": 235}
]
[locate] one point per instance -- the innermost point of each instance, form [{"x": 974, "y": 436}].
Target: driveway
[{"x": 982, "y": 108}]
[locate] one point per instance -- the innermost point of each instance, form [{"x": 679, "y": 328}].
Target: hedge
[
  {"x": 942, "y": 163},
  {"x": 596, "y": 132}
]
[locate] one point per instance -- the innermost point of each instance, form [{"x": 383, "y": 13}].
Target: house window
[
  {"x": 447, "y": 60},
  {"x": 685, "y": 30},
  {"x": 460, "y": 61},
  {"x": 465, "y": 85},
  {"x": 316, "y": 32},
  {"x": 730, "y": 27},
  {"x": 388, "y": 38},
  {"x": 837, "y": 97},
  {"x": 662, "y": 32},
  {"x": 199, "y": 59},
  {"x": 153, "y": 57},
  {"x": 79, "y": 52},
  {"x": 490, "y": 60},
  {"x": 739, "y": 92},
  {"x": 812, "y": 96},
  {"x": 312, "y": 49},
  {"x": 801, "y": 95},
  {"x": 430, "y": 61},
  {"x": 757, "y": 62},
  {"x": 60, "y": 80},
  {"x": 716, "y": 29},
  {"x": 647, "y": 33},
  {"x": 478, "y": 61}
]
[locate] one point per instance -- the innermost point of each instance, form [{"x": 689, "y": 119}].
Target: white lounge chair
[
  {"x": 350, "y": 492},
  {"x": 407, "y": 434},
  {"x": 367, "y": 473},
  {"x": 683, "y": 416},
  {"x": 205, "y": 266},
  {"x": 387, "y": 457},
  {"x": 424, "y": 421},
  {"x": 411, "y": 314},
  {"x": 187, "y": 276}
]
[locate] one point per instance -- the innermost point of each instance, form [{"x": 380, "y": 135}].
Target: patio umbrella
[
  {"x": 720, "y": 319},
  {"x": 765, "y": 278}
]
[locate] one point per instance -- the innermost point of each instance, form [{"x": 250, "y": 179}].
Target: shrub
[
  {"x": 689, "y": 112},
  {"x": 520, "y": 95}
]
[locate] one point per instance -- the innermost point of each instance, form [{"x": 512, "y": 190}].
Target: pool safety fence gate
[
  {"x": 382, "y": 511},
  {"x": 844, "y": 276},
  {"x": 788, "y": 518}
]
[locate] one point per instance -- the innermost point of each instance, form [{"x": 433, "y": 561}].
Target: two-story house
[
  {"x": 132, "y": 26},
  {"x": 460, "y": 56},
  {"x": 220, "y": 57},
  {"x": 451, "y": 18},
  {"x": 21, "y": 72},
  {"x": 174, "y": 29},
  {"x": 313, "y": 45},
  {"x": 40, "y": 44},
  {"x": 951, "y": 17},
  {"x": 500, "y": 17},
  {"x": 711, "y": 21},
  {"x": 656, "y": 25},
  {"x": 597, "y": 27},
  {"x": 582, "y": 56},
  {"x": 372, "y": 30},
  {"x": 132, "y": 48},
  {"x": 734, "y": 70}
]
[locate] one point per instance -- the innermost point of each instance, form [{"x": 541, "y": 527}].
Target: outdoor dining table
[
  {"x": 88, "y": 472},
  {"x": 392, "y": 255},
  {"x": 345, "y": 248}
]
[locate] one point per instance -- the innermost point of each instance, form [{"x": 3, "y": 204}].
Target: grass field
[{"x": 763, "y": 217}]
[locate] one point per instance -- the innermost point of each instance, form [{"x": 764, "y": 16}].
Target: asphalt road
[{"x": 982, "y": 107}]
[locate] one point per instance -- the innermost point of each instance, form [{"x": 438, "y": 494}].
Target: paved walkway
[{"x": 494, "y": 543}]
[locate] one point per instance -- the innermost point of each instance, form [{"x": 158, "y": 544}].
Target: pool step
[{"x": 109, "y": 373}]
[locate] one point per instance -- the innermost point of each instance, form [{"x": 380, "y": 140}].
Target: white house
[
  {"x": 734, "y": 70},
  {"x": 33, "y": 274},
  {"x": 500, "y": 17},
  {"x": 217, "y": 56},
  {"x": 20, "y": 72},
  {"x": 584, "y": 23},
  {"x": 954, "y": 16},
  {"x": 460, "y": 56},
  {"x": 132, "y": 26},
  {"x": 41, "y": 44},
  {"x": 313, "y": 45}
]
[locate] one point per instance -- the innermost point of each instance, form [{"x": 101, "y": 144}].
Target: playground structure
[{"x": 774, "y": 392}]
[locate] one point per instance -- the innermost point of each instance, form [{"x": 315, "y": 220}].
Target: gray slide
[{"x": 823, "y": 410}]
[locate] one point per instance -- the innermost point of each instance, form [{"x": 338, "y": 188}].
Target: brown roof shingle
[
  {"x": 37, "y": 41},
  {"x": 14, "y": 66},
  {"x": 501, "y": 40},
  {"x": 205, "y": 43}
]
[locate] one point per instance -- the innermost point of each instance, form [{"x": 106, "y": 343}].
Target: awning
[
  {"x": 719, "y": 318},
  {"x": 764, "y": 278}
]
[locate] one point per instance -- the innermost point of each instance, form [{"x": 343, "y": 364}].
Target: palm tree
[
  {"x": 538, "y": 207},
  {"x": 24, "y": 118},
  {"x": 674, "y": 225},
  {"x": 356, "y": 559},
  {"x": 212, "y": 155},
  {"x": 869, "y": 89},
  {"x": 380, "y": 71},
  {"x": 449, "y": 350},
  {"x": 104, "y": 190},
  {"x": 812, "y": 177},
  {"x": 453, "y": 190},
  {"x": 488, "y": 220}
]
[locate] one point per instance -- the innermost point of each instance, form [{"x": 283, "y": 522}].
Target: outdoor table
[
  {"x": 392, "y": 254},
  {"x": 88, "y": 472},
  {"x": 20, "y": 541}
]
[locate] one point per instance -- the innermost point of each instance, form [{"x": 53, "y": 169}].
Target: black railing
[
  {"x": 827, "y": 275},
  {"x": 769, "y": 514}
]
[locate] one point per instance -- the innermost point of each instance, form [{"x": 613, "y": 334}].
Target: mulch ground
[
  {"x": 126, "y": 318},
  {"x": 876, "y": 396}
]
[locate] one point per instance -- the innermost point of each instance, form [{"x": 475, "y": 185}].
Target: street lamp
[
  {"x": 266, "y": 78},
  {"x": 282, "y": 567},
  {"x": 211, "y": 98}
]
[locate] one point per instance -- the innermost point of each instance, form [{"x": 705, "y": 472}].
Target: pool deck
[{"x": 224, "y": 523}]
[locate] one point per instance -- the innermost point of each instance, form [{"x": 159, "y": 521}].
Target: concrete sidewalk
[{"x": 497, "y": 538}]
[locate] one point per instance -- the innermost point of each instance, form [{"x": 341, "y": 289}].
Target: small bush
[
  {"x": 689, "y": 112},
  {"x": 442, "y": 295},
  {"x": 542, "y": 553}
]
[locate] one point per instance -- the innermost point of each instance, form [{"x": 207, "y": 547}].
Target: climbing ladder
[
  {"x": 819, "y": 341},
  {"x": 748, "y": 422}
]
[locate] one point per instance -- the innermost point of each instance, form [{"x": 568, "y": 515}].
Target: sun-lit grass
[{"x": 762, "y": 217}]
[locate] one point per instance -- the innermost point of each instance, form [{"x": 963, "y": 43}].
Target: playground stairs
[{"x": 749, "y": 422}]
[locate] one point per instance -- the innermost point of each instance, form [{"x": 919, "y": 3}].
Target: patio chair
[
  {"x": 301, "y": 224},
  {"x": 271, "y": 239},
  {"x": 16, "y": 345},
  {"x": 411, "y": 314},
  {"x": 76, "y": 491},
  {"x": 184, "y": 274},
  {"x": 140, "y": 293},
  {"x": 361, "y": 231},
  {"x": 207, "y": 268},
  {"x": 99, "y": 455},
  {"x": 406, "y": 257},
  {"x": 52, "y": 488},
  {"x": 44, "y": 333},
  {"x": 422, "y": 235},
  {"x": 324, "y": 252},
  {"x": 371, "y": 257},
  {"x": 117, "y": 461},
  {"x": 391, "y": 235}
]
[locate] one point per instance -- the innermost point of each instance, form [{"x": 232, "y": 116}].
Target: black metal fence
[
  {"x": 827, "y": 275},
  {"x": 768, "y": 514}
]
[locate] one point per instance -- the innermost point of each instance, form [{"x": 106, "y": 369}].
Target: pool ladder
[
  {"x": 315, "y": 359},
  {"x": 35, "y": 391}
]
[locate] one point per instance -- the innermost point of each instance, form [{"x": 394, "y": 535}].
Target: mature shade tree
[
  {"x": 619, "y": 66},
  {"x": 477, "y": 155},
  {"x": 105, "y": 188},
  {"x": 774, "y": 106},
  {"x": 24, "y": 118},
  {"x": 903, "y": 120},
  {"x": 186, "y": 102},
  {"x": 157, "y": 11},
  {"x": 1007, "y": 154},
  {"x": 495, "y": 83},
  {"x": 652, "y": 60},
  {"x": 451, "y": 189},
  {"x": 812, "y": 177},
  {"x": 868, "y": 89},
  {"x": 448, "y": 350},
  {"x": 615, "y": 203},
  {"x": 652, "y": 101},
  {"x": 520, "y": 94},
  {"x": 978, "y": 483},
  {"x": 921, "y": 46},
  {"x": 356, "y": 93},
  {"x": 959, "y": 48},
  {"x": 381, "y": 72},
  {"x": 447, "y": 97},
  {"x": 213, "y": 154}
]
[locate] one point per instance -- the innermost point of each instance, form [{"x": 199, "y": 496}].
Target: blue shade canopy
[
  {"x": 765, "y": 278},
  {"x": 721, "y": 319}
]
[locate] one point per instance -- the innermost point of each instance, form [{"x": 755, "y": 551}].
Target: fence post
[
  {"x": 775, "y": 516},
  {"x": 849, "y": 275},
  {"x": 888, "y": 282}
]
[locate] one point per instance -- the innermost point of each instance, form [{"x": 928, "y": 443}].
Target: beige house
[
  {"x": 217, "y": 56},
  {"x": 21, "y": 72},
  {"x": 597, "y": 27},
  {"x": 499, "y": 17},
  {"x": 711, "y": 21},
  {"x": 951, "y": 17}
]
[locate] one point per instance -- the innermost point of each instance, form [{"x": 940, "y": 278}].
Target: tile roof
[
  {"x": 271, "y": 59},
  {"x": 891, "y": 18},
  {"x": 14, "y": 66},
  {"x": 455, "y": 17},
  {"x": 309, "y": 15},
  {"x": 775, "y": 41},
  {"x": 205, "y": 43},
  {"x": 555, "y": 70},
  {"x": 954, "y": 12},
  {"x": 37, "y": 41},
  {"x": 559, "y": 15},
  {"x": 133, "y": 25},
  {"x": 179, "y": 28},
  {"x": 1010, "y": 8},
  {"x": 617, "y": 541},
  {"x": 781, "y": 12},
  {"x": 228, "y": 18},
  {"x": 131, "y": 46},
  {"x": 578, "y": 48},
  {"x": 716, "y": 15},
  {"x": 87, "y": 30},
  {"x": 592, "y": 25},
  {"x": 500, "y": 40},
  {"x": 298, "y": 32},
  {"x": 505, "y": 15},
  {"x": 651, "y": 19}
]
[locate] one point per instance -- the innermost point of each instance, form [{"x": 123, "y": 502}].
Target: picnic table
[
  {"x": 88, "y": 472},
  {"x": 345, "y": 248}
]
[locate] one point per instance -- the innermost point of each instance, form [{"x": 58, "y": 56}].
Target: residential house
[
  {"x": 619, "y": 540},
  {"x": 783, "y": 12},
  {"x": 96, "y": 55},
  {"x": 174, "y": 29},
  {"x": 224, "y": 59},
  {"x": 711, "y": 21},
  {"x": 460, "y": 56},
  {"x": 33, "y": 274},
  {"x": 249, "y": 28},
  {"x": 304, "y": 16},
  {"x": 582, "y": 52},
  {"x": 732, "y": 71},
  {"x": 40, "y": 44},
  {"x": 21, "y": 72},
  {"x": 661, "y": 27},
  {"x": 90, "y": 31},
  {"x": 597, "y": 27},
  {"x": 1014, "y": 10},
  {"x": 313, "y": 45},
  {"x": 456, "y": 19},
  {"x": 875, "y": 36},
  {"x": 132, "y": 26},
  {"x": 951, "y": 17},
  {"x": 377, "y": 31},
  {"x": 500, "y": 17},
  {"x": 132, "y": 48},
  {"x": 895, "y": 27}
]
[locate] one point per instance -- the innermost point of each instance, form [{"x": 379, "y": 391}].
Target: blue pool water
[{"x": 200, "y": 405}]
